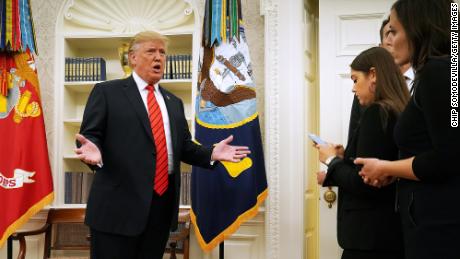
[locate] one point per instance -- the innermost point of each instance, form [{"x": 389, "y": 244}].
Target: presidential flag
[
  {"x": 231, "y": 193},
  {"x": 25, "y": 176}
]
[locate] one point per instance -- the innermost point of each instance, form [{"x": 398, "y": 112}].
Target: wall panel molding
[
  {"x": 272, "y": 129},
  {"x": 357, "y": 32}
]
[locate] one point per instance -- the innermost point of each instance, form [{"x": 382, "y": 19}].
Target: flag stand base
[{"x": 221, "y": 250}]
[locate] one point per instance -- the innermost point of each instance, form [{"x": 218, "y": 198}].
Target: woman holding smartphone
[
  {"x": 367, "y": 224},
  {"x": 429, "y": 185}
]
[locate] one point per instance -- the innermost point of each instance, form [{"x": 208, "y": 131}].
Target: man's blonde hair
[{"x": 145, "y": 36}]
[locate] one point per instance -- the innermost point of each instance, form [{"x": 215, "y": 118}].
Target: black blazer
[
  {"x": 424, "y": 130},
  {"x": 116, "y": 120},
  {"x": 355, "y": 115},
  {"x": 366, "y": 217}
]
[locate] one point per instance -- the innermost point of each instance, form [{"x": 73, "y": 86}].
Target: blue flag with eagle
[{"x": 230, "y": 193}]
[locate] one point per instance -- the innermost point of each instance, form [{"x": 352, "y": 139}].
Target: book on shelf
[
  {"x": 77, "y": 186},
  {"x": 85, "y": 69},
  {"x": 167, "y": 69},
  {"x": 185, "y": 195},
  {"x": 174, "y": 67},
  {"x": 178, "y": 67}
]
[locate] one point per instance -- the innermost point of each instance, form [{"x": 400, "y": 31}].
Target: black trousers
[
  {"x": 430, "y": 218},
  {"x": 150, "y": 244}
]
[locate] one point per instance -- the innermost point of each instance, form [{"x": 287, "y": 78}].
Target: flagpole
[{"x": 221, "y": 250}]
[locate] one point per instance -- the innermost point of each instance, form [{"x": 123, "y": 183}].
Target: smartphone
[{"x": 316, "y": 139}]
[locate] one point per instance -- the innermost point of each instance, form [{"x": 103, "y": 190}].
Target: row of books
[
  {"x": 94, "y": 68},
  {"x": 85, "y": 69},
  {"x": 185, "y": 193},
  {"x": 77, "y": 186},
  {"x": 178, "y": 67}
]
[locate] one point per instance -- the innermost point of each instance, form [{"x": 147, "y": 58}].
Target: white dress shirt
[
  {"x": 141, "y": 84},
  {"x": 409, "y": 77}
]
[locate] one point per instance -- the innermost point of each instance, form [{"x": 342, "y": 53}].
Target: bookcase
[
  {"x": 79, "y": 38},
  {"x": 74, "y": 29}
]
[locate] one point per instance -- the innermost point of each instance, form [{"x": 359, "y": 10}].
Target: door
[
  {"x": 310, "y": 60},
  {"x": 345, "y": 29}
]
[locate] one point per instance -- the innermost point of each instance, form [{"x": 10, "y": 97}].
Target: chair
[
  {"x": 179, "y": 240},
  {"x": 64, "y": 231}
]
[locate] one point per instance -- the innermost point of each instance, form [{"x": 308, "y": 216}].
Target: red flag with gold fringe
[{"x": 26, "y": 185}]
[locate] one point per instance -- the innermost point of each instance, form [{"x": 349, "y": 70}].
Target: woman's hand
[
  {"x": 379, "y": 172},
  {"x": 320, "y": 176},
  {"x": 328, "y": 150},
  {"x": 372, "y": 171},
  {"x": 340, "y": 151}
]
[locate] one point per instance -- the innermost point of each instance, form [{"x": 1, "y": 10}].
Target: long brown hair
[
  {"x": 391, "y": 91},
  {"x": 427, "y": 26}
]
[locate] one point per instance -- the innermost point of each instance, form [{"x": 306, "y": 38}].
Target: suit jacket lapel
[
  {"x": 135, "y": 98},
  {"x": 172, "y": 122}
]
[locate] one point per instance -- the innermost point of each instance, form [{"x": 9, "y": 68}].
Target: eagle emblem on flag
[{"x": 226, "y": 196}]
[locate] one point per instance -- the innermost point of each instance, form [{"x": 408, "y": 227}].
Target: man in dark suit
[{"x": 135, "y": 134}]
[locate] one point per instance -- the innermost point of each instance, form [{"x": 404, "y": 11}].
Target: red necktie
[{"x": 156, "y": 122}]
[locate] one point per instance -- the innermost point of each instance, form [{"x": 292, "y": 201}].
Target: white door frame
[{"x": 284, "y": 127}]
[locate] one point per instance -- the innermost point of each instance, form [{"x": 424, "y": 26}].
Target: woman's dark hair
[
  {"x": 427, "y": 26},
  {"x": 391, "y": 91},
  {"x": 384, "y": 23}
]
